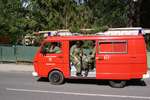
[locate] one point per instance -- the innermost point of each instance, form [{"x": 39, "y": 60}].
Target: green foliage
[
  {"x": 17, "y": 19},
  {"x": 100, "y": 29},
  {"x": 74, "y": 29},
  {"x": 109, "y": 12}
]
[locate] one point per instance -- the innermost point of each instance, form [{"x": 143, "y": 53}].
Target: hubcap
[{"x": 55, "y": 77}]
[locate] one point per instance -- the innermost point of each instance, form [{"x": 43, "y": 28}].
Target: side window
[
  {"x": 52, "y": 48},
  {"x": 113, "y": 46}
]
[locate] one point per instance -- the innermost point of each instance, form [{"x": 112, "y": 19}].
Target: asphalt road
[{"x": 22, "y": 86}]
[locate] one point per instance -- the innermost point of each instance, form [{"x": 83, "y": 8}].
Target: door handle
[
  {"x": 100, "y": 58},
  {"x": 60, "y": 56},
  {"x": 133, "y": 57}
]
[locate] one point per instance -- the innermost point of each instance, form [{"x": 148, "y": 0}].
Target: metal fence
[
  {"x": 17, "y": 53},
  {"x": 26, "y": 54}
]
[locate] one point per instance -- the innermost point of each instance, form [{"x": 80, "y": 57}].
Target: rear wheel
[
  {"x": 117, "y": 83},
  {"x": 56, "y": 77}
]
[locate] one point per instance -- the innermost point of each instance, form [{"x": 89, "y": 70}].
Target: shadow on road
[
  {"x": 87, "y": 81},
  {"x": 105, "y": 82},
  {"x": 96, "y": 82},
  {"x": 136, "y": 83},
  {"x": 43, "y": 80}
]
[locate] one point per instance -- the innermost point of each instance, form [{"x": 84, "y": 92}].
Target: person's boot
[
  {"x": 86, "y": 73},
  {"x": 78, "y": 74}
]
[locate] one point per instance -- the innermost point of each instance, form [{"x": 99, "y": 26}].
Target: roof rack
[{"x": 123, "y": 31}]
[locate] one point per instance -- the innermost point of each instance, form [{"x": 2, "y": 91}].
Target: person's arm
[{"x": 57, "y": 50}]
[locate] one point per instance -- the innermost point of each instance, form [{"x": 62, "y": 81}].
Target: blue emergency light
[
  {"x": 49, "y": 33},
  {"x": 140, "y": 32}
]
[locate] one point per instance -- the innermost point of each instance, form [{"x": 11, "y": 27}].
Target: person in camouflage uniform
[
  {"x": 92, "y": 56},
  {"x": 88, "y": 58},
  {"x": 76, "y": 54},
  {"x": 54, "y": 48}
]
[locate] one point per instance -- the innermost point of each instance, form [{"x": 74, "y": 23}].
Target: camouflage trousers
[{"x": 77, "y": 63}]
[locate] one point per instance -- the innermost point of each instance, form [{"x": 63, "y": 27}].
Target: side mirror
[{"x": 43, "y": 51}]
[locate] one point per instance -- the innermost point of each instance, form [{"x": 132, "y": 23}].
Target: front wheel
[
  {"x": 56, "y": 77},
  {"x": 117, "y": 83}
]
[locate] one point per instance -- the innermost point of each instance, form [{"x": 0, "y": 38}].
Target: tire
[
  {"x": 56, "y": 77},
  {"x": 117, "y": 83}
]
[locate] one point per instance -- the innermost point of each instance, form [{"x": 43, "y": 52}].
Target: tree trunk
[
  {"x": 138, "y": 12},
  {"x": 134, "y": 13}
]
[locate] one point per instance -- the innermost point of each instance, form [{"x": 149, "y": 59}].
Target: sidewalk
[{"x": 16, "y": 67}]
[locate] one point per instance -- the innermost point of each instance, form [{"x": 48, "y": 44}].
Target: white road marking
[{"x": 78, "y": 94}]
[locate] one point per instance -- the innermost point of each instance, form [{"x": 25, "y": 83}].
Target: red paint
[{"x": 128, "y": 60}]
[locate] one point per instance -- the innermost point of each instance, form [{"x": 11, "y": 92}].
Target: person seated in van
[
  {"x": 85, "y": 57},
  {"x": 92, "y": 55},
  {"x": 54, "y": 48},
  {"x": 85, "y": 63},
  {"x": 76, "y": 54},
  {"x": 88, "y": 57}
]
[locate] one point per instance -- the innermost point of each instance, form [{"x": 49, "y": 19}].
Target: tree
[
  {"x": 13, "y": 19},
  {"x": 20, "y": 17},
  {"x": 134, "y": 12},
  {"x": 109, "y": 12}
]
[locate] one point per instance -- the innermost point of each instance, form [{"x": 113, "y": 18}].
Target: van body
[{"x": 117, "y": 59}]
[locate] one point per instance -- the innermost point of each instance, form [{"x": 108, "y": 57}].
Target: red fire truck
[{"x": 116, "y": 59}]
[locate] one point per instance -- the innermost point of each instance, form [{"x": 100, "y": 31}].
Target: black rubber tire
[
  {"x": 117, "y": 83},
  {"x": 56, "y": 77}
]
